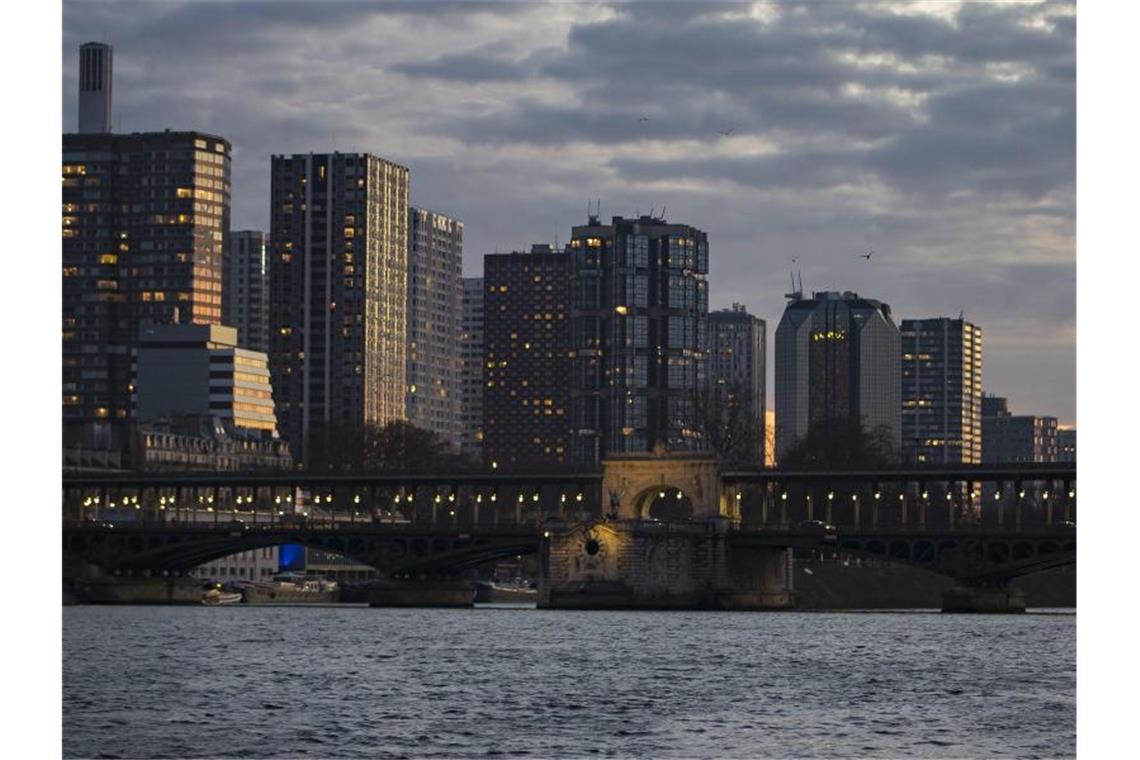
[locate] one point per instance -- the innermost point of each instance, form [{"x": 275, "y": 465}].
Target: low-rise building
[
  {"x": 199, "y": 369},
  {"x": 1010, "y": 437}
]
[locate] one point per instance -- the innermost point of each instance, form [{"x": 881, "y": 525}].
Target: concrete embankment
[
  {"x": 833, "y": 586},
  {"x": 138, "y": 591}
]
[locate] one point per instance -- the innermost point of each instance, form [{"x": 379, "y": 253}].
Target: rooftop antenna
[
  {"x": 961, "y": 315},
  {"x": 796, "y": 293}
]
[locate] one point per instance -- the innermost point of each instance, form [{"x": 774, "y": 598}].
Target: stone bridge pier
[
  {"x": 631, "y": 564},
  {"x": 630, "y": 559}
]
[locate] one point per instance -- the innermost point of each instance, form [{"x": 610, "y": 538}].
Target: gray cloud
[{"x": 947, "y": 144}]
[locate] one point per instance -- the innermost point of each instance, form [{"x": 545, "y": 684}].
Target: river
[{"x": 347, "y": 681}]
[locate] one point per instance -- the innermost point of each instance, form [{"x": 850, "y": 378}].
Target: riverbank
[{"x": 834, "y": 586}]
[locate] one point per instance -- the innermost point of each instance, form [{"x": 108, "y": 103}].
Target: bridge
[{"x": 674, "y": 516}]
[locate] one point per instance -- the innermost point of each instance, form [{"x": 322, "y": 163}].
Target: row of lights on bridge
[{"x": 410, "y": 497}]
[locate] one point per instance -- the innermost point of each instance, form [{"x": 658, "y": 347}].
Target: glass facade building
[
  {"x": 339, "y": 290},
  {"x": 941, "y": 391},
  {"x": 144, "y": 225},
  {"x": 837, "y": 358},
  {"x": 435, "y": 267},
  {"x": 639, "y": 311}
]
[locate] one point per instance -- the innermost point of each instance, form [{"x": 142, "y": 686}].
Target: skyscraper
[
  {"x": 837, "y": 358},
  {"x": 145, "y": 218},
  {"x": 435, "y": 266},
  {"x": 639, "y": 308},
  {"x": 471, "y": 370},
  {"x": 245, "y": 289},
  {"x": 941, "y": 391},
  {"x": 95, "y": 81},
  {"x": 338, "y": 280},
  {"x": 737, "y": 351},
  {"x": 526, "y": 347}
]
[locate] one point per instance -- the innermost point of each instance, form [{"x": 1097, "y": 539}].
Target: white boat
[
  {"x": 290, "y": 588},
  {"x": 217, "y": 596}
]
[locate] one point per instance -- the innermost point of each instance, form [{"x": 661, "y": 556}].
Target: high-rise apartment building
[
  {"x": 338, "y": 280},
  {"x": 639, "y": 310},
  {"x": 1066, "y": 444},
  {"x": 737, "y": 363},
  {"x": 941, "y": 391},
  {"x": 435, "y": 266},
  {"x": 245, "y": 289},
  {"x": 837, "y": 358},
  {"x": 1010, "y": 437},
  {"x": 95, "y": 69},
  {"x": 526, "y": 360},
  {"x": 144, "y": 225},
  {"x": 199, "y": 369},
  {"x": 471, "y": 370}
]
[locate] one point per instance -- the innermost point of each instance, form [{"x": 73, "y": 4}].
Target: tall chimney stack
[{"x": 95, "y": 87}]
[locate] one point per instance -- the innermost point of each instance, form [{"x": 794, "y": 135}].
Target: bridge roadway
[
  {"x": 965, "y": 521},
  {"x": 971, "y": 555}
]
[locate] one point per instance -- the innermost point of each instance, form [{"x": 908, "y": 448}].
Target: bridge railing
[
  {"x": 869, "y": 506},
  {"x": 456, "y": 507}
]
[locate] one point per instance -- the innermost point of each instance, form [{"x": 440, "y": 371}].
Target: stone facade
[{"x": 626, "y": 564}]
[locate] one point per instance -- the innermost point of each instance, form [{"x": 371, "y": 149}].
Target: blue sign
[{"x": 290, "y": 557}]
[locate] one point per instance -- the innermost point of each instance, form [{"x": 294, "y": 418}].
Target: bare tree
[
  {"x": 841, "y": 442},
  {"x": 398, "y": 446},
  {"x": 729, "y": 424}
]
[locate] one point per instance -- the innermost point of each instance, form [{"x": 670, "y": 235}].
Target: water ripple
[{"x": 347, "y": 682}]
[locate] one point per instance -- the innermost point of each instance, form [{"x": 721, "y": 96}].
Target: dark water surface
[{"x": 332, "y": 682}]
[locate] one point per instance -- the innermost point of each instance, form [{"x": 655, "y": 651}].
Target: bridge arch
[
  {"x": 631, "y": 483},
  {"x": 137, "y": 549}
]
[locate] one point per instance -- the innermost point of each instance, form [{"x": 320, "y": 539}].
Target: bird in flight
[
  {"x": 866, "y": 255},
  {"x": 644, "y": 118},
  {"x": 727, "y": 132}
]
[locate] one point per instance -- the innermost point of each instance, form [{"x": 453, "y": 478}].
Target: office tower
[
  {"x": 471, "y": 371},
  {"x": 245, "y": 289},
  {"x": 145, "y": 218},
  {"x": 435, "y": 266},
  {"x": 338, "y": 283},
  {"x": 95, "y": 80},
  {"x": 199, "y": 369},
  {"x": 639, "y": 308},
  {"x": 837, "y": 359},
  {"x": 737, "y": 363},
  {"x": 526, "y": 346},
  {"x": 941, "y": 391},
  {"x": 1010, "y": 437}
]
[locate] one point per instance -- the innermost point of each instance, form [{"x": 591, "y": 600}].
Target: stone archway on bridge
[{"x": 630, "y": 483}]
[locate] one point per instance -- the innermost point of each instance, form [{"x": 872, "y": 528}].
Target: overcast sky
[{"x": 939, "y": 134}]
